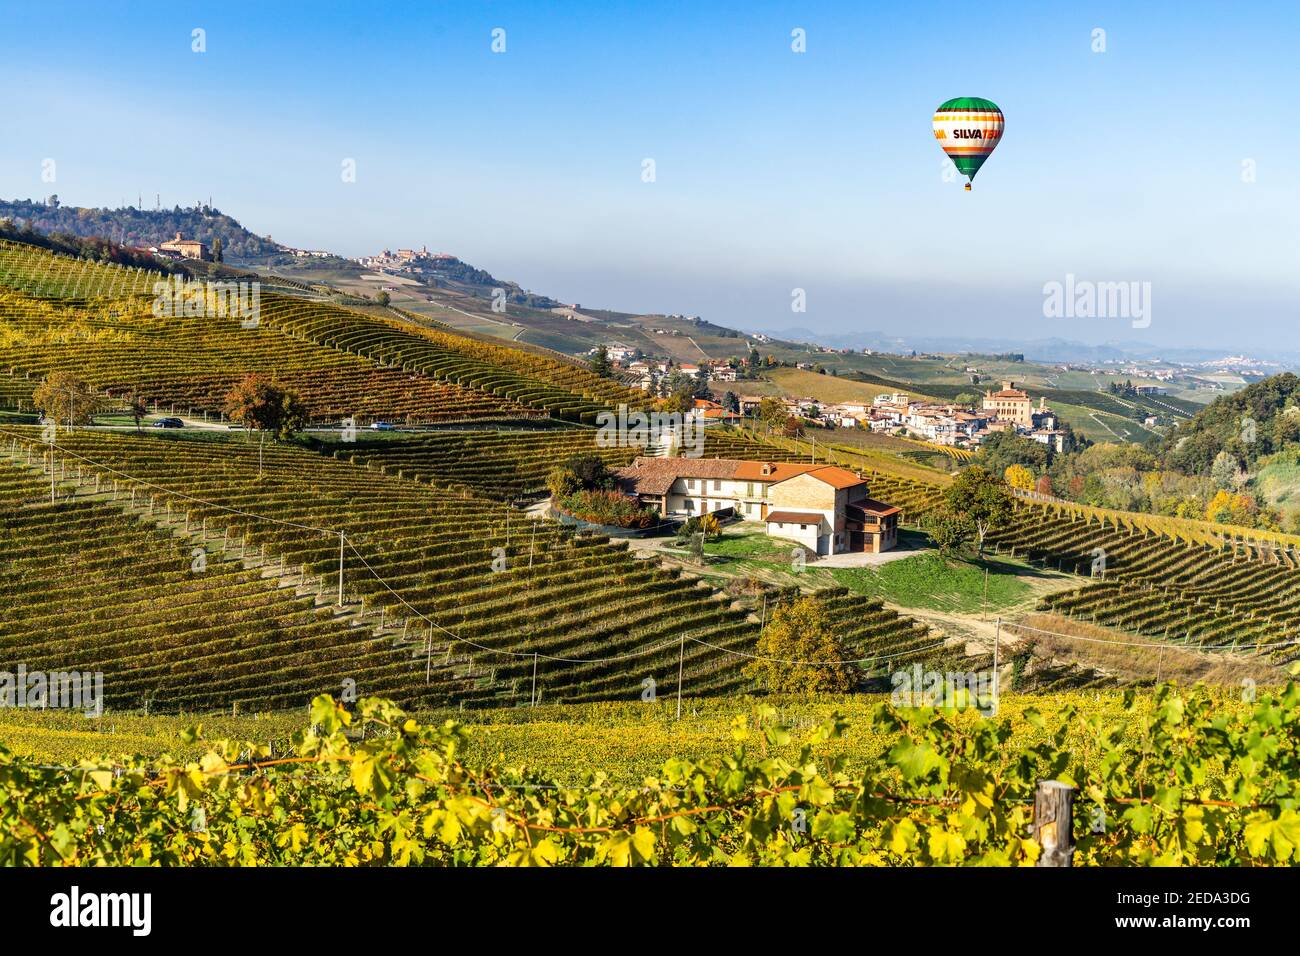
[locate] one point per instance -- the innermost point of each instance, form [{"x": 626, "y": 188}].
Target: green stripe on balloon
[
  {"x": 968, "y": 165},
  {"x": 968, "y": 103}
]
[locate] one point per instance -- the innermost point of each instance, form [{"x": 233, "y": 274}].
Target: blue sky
[{"x": 774, "y": 170}]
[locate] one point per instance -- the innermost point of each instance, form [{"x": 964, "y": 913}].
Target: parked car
[
  {"x": 382, "y": 426},
  {"x": 169, "y": 423}
]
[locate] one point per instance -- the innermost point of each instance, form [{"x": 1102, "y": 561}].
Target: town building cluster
[
  {"x": 403, "y": 260},
  {"x": 648, "y": 374},
  {"x": 965, "y": 426},
  {"x": 942, "y": 423},
  {"x": 959, "y": 426}
]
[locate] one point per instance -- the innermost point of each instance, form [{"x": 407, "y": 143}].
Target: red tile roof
[
  {"x": 879, "y": 508},
  {"x": 795, "y": 517},
  {"x": 777, "y": 470},
  {"x": 655, "y": 476},
  {"x": 838, "y": 477}
]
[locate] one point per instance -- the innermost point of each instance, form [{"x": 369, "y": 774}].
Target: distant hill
[
  {"x": 448, "y": 272},
  {"x": 1051, "y": 350},
  {"x": 129, "y": 226},
  {"x": 141, "y": 227},
  {"x": 1259, "y": 420}
]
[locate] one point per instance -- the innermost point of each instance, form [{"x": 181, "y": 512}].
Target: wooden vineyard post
[
  {"x": 1054, "y": 823},
  {"x": 533, "y": 699},
  {"x": 681, "y": 659},
  {"x": 997, "y": 641},
  {"x": 341, "y": 540},
  {"x": 428, "y": 654}
]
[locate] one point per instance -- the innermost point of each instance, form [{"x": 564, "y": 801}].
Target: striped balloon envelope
[{"x": 969, "y": 129}]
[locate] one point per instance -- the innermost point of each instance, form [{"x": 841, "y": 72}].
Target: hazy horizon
[{"x": 774, "y": 170}]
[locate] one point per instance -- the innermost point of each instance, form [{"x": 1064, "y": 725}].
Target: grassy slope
[
  {"x": 1278, "y": 484},
  {"x": 928, "y": 581},
  {"x": 921, "y": 581},
  {"x": 824, "y": 388},
  {"x": 1100, "y": 426}
]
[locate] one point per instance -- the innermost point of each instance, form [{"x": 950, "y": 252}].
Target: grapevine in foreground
[{"x": 1176, "y": 779}]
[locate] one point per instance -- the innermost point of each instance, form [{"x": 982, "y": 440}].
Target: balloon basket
[{"x": 968, "y": 187}]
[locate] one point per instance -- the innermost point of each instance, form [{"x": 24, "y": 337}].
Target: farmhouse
[
  {"x": 823, "y": 507},
  {"x": 712, "y": 411},
  {"x": 185, "y": 248}
]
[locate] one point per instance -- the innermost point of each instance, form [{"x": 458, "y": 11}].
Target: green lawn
[
  {"x": 931, "y": 582},
  {"x": 924, "y": 580},
  {"x": 749, "y": 544}
]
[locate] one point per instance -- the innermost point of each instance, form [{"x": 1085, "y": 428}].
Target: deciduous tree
[
  {"x": 982, "y": 498},
  {"x": 799, "y": 653},
  {"x": 66, "y": 399},
  {"x": 137, "y": 409},
  {"x": 1018, "y": 476},
  {"x": 260, "y": 404}
]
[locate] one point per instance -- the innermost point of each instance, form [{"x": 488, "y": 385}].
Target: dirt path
[{"x": 970, "y": 628}]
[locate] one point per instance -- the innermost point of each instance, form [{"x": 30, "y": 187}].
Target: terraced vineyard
[
  {"x": 868, "y": 628},
  {"x": 496, "y": 464},
  {"x": 564, "y": 390},
  {"x": 1157, "y": 586},
  {"x": 510, "y": 465},
  {"x": 433, "y": 548},
  {"x": 97, "y": 318},
  {"x": 451, "y": 595},
  {"x": 418, "y": 565},
  {"x": 119, "y": 346},
  {"x": 37, "y": 272},
  {"x": 90, "y": 587},
  {"x": 16, "y": 391}
]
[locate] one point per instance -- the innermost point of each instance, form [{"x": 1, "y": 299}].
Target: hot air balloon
[{"x": 968, "y": 128}]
